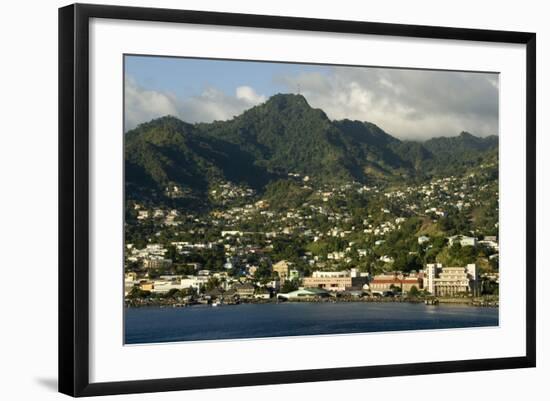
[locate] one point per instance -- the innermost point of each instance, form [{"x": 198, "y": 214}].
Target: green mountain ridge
[{"x": 281, "y": 136}]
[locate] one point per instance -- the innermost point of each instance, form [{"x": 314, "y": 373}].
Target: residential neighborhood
[{"x": 325, "y": 245}]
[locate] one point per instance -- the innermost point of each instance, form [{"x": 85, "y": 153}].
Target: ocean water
[{"x": 202, "y": 322}]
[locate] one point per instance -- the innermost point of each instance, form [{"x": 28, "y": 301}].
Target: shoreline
[{"x": 174, "y": 303}]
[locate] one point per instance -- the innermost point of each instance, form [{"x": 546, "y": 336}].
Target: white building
[
  {"x": 451, "y": 281},
  {"x": 462, "y": 240},
  {"x": 196, "y": 282},
  {"x": 163, "y": 286}
]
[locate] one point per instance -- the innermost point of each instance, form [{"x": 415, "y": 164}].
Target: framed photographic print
[{"x": 250, "y": 199}]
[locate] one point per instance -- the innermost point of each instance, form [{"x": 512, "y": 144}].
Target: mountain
[
  {"x": 286, "y": 135},
  {"x": 416, "y": 154},
  {"x": 461, "y": 144},
  {"x": 167, "y": 151},
  {"x": 281, "y": 136},
  {"x": 464, "y": 150}
]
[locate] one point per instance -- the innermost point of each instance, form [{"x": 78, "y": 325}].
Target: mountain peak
[
  {"x": 465, "y": 134},
  {"x": 284, "y": 100},
  {"x": 284, "y": 108},
  {"x": 168, "y": 121}
]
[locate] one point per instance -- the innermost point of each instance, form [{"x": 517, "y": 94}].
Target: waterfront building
[
  {"x": 387, "y": 282},
  {"x": 334, "y": 280},
  {"x": 196, "y": 282},
  {"x": 163, "y": 286},
  {"x": 451, "y": 281},
  {"x": 262, "y": 294},
  {"x": 214, "y": 293},
  {"x": 244, "y": 290}
]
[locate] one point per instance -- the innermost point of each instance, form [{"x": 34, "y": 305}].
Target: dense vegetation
[{"x": 284, "y": 135}]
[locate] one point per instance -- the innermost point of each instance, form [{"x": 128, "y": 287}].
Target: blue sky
[
  {"x": 187, "y": 77},
  {"x": 409, "y": 104}
]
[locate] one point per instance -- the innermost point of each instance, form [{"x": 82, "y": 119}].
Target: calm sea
[{"x": 153, "y": 324}]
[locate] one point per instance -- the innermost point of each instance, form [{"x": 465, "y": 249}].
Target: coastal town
[{"x": 305, "y": 240}]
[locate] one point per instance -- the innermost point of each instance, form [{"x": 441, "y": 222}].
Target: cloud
[
  {"x": 247, "y": 94},
  {"x": 410, "y": 104},
  {"x": 143, "y": 105},
  {"x": 211, "y": 104}
]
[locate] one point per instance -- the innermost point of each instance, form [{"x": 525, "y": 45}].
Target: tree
[
  {"x": 133, "y": 266},
  {"x": 407, "y": 262},
  {"x": 489, "y": 287},
  {"x": 154, "y": 273},
  {"x": 414, "y": 292},
  {"x": 136, "y": 292},
  {"x": 213, "y": 282},
  {"x": 173, "y": 293},
  {"x": 289, "y": 286},
  {"x": 172, "y": 253},
  {"x": 263, "y": 271},
  {"x": 396, "y": 289}
]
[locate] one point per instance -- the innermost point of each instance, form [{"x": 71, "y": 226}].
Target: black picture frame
[{"x": 74, "y": 198}]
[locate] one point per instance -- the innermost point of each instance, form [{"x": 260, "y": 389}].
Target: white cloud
[
  {"x": 247, "y": 94},
  {"x": 211, "y": 104},
  {"x": 410, "y": 104},
  {"x": 143, "y": 105}
]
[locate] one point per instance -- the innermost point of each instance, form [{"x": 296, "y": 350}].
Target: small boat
[{"x": 216, "y": 303}]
